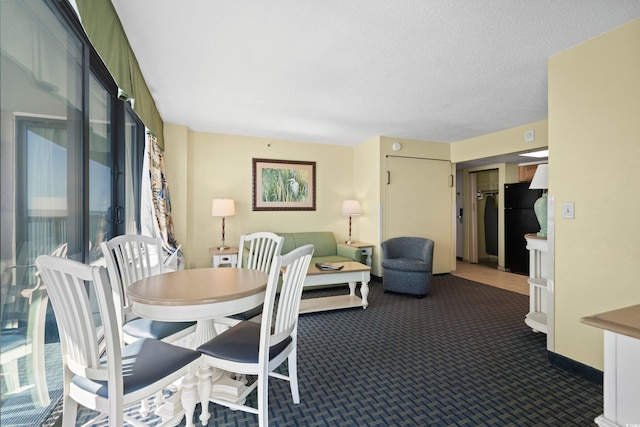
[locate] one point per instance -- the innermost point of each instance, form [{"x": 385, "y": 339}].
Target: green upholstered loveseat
[{"x": 326, "y": 249}]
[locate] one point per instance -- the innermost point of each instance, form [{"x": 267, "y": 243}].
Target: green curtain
[{"x": 107, "y": 36}]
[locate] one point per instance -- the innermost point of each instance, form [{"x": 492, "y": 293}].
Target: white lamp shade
[
  {"x": 223, "y": 207},
  {"x": 540, "y": 178},
  {"x": 351, "y": 207}
]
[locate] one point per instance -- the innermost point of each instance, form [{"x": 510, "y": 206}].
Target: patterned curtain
[{"x": 156, "y": 202}]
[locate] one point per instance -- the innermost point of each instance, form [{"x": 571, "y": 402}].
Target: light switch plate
[{"x": 568, "y": 210}]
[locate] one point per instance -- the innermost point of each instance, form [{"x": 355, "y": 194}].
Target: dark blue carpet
[{"x": 462, "y": 356}]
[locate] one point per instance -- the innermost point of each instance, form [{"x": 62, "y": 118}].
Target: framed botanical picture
[{"x": 284, "y": 185}]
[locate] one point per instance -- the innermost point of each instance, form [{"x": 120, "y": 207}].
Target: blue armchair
[{"x": 407, "y": 263}]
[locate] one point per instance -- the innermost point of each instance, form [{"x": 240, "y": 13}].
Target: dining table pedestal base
[
  {"x": 214, "y": 383},
  {"x": 207, "y": 382}
]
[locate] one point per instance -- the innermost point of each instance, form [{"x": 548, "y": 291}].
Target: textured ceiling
[{"x": 342, "y": 72}]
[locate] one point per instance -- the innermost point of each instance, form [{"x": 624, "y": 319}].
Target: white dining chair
[
  {"x": 257, "y": 349},
  {"x": 98, "y": 372},
  {"x": 130, "y": 258},
  {"x": 257, "y": 252}
]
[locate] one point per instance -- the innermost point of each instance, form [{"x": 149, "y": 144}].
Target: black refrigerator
[{"x": 519, "y": 219}]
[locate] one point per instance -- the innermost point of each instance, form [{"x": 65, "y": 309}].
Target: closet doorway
[{"x": 484, "y": 224}]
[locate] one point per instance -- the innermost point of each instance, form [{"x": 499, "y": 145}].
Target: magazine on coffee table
[{"x": 329, "y": 266}]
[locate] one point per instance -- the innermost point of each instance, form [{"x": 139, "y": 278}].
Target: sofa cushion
[
  {"x": 326, "y": 249},
  {"x": 324, "y": 242}
]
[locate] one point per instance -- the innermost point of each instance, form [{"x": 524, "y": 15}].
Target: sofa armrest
[{"x": 349, "y": 252}]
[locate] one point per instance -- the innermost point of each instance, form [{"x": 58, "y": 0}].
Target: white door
[{"x": 419, "y": 202}]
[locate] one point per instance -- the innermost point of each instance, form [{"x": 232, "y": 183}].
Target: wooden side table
[
  {"x": 366, "y": 249},
  {"x": 224, "y": 257}
]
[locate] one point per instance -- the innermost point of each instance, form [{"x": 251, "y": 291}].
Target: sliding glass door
[
  {"x": 41, "y": 220},
  {"x": 70, "y": 167},
  {"x": 102, "y": 214}
]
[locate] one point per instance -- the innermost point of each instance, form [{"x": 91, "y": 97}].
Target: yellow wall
[
  {"x": 366, "y": 180},
  {"x": 504, "y": 142},
  {"x": 203, "y": 166},
  {"x": 594, "y": 143}
]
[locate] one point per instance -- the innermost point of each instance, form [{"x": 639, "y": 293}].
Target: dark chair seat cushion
[
  {"x": 145, "y": 328},
  {"x": 249, "y": 314},
  {"x": 406, "y": 264},
  {"x": 240, "y": 343},
  {"x": 143, "y": 362}
]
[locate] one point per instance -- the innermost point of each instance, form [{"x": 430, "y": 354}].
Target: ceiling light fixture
[{"x": 536, "y": 154}]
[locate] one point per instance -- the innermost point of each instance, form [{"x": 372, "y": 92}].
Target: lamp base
[
  {"x": 349, "y": 242},
  {"x": 540, "y": 209},
  {"x": 222, "y": 248}
]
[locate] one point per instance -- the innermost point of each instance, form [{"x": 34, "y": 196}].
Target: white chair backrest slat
[
  {"x": 262, "y": 247},
  {"x": 130, "y": 258},
  {"x": 70, "y": 285},
  {"x": 277, "y": 328}
]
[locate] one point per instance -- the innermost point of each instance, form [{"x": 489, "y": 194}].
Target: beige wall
[
  {"x": 366, "y": 181},
  {"x": 504, "y": 142},
  {"x": 594, "y": 143},
  {"x": 203, "y": 166}
]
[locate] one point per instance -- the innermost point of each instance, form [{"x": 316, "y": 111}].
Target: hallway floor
[{"x": 492, "y": 276}]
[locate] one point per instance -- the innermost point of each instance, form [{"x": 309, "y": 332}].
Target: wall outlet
[{"x": 568, "y": 211}]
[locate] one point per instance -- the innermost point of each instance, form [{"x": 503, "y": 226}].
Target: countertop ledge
[{"x": 625, "y": 321}]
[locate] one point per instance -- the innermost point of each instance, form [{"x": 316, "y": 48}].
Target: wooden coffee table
[{"x": 350, "y": 273}]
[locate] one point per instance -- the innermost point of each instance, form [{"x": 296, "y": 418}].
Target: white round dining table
[{"x": 201, "y": 294}]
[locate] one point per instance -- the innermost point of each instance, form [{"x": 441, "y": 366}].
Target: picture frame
[{"x": 284, "y": 185}]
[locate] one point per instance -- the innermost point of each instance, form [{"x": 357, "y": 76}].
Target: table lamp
[
  {"x": 540, "y": 181},
  {"x": 223, "y": 208},
  {"x": 351, "y": 208}
]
